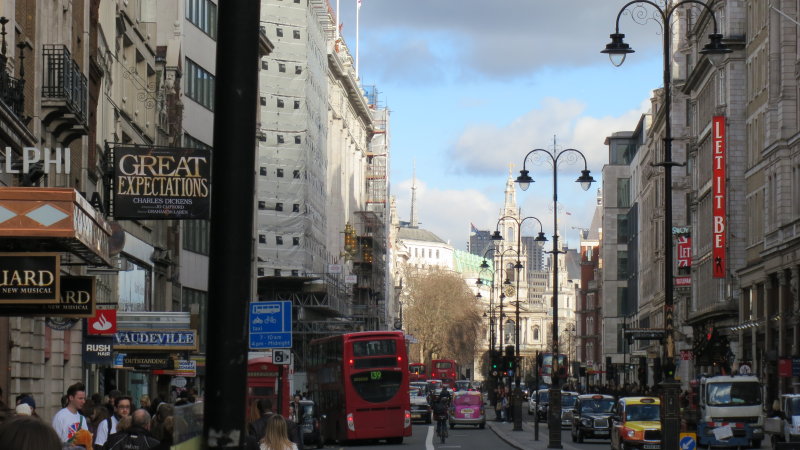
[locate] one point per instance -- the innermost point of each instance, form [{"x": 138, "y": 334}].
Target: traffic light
[
  {"x": 669, "y": 370},
  {"x": 611, "y": 373},
  {"x": 642, "y": 371},
  {"x": 495, "y": 362}
]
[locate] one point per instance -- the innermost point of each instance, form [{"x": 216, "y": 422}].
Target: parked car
[
  {"x": 467, "y": 408},
  {"x": 636, "y": 423},
  {"x": 311, "y": 423},
  {"x": 591, "y": 417},
  {"x": 420, "y": 408}
]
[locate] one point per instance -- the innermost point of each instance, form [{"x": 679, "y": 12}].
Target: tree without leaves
[{"x": 443, "y": 314}]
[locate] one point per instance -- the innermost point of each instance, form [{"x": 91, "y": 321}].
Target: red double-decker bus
[
  {"x": 546, "y": 369},
  {"x": 416, "y": 372},
  {"x": 360, "y": 383},
  {"x": 445, "y": 370}
]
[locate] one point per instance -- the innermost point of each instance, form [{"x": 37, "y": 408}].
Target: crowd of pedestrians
[{"x": 115, "y": 423}]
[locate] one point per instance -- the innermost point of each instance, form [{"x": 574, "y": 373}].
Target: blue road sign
[
  {"x": 270, "y": 325},
  {"x": 687, "y": 443}
]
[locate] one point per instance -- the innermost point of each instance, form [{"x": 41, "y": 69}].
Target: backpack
[{"x": 440, "y": 408}]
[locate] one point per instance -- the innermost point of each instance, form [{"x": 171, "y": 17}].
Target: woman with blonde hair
[{"x": 276, "y": 436}]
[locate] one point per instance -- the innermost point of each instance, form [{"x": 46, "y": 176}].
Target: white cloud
[
  {"x": 487, "y": 148},
  {"x": 446, "y": 213}
]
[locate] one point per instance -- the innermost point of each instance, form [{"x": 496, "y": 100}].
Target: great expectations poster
[{"x": 161, "y": 183}]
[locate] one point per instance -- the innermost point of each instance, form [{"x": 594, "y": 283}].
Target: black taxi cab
[
  {"x": 636, "y": 423},
  {"x": 591, "y": 417}
]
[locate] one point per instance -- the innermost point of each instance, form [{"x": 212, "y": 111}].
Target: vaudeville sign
[
  {"x": 29, "y": 278},
  {"x": 161, "y": 183},
  {"x": 155, "y": 340}
]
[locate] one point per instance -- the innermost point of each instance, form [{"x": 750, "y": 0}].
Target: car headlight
[
  {"x": 631, "y": 433},
  {"x": 586, "y": 422}
]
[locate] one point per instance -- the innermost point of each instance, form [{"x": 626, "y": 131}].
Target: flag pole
[{"x": 338, "y": 21}]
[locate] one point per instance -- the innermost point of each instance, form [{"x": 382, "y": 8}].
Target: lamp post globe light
[
  {"x": 715, "y": 51},
  {"x": 496, "y": 236},
  {"x": 585, "y": 180}
]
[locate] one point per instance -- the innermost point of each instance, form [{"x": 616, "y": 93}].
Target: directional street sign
[
  {"x": 282, "y": 356},
  {"x": 270, "y": 325},
  {"x": 688, "y": 441},
  {"x": 644, "y": 333}
]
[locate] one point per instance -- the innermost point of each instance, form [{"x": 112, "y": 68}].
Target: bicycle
[{"x": 441, "y": 428}]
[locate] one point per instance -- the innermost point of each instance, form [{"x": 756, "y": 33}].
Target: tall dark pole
[
  {"x": 554, "y": 418},
  {"x": 524, "y": 180},
  {"x": 670, "y": 410},
  {"x": 230, "y": 262}
]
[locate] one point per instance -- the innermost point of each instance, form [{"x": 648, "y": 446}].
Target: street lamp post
[
  {"x": 714, "y": 50},
  {"x": 496, "y": 236},
  {"x": 524, "y": 179}
]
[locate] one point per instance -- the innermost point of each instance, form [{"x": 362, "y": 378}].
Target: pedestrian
[
  {"x": 144, "y": 402},
  {"x": 28, "y": 433},
  {"x": 165, "y": 411},
  {"x": 107, "y": 427},
  {"x": 98, "y": 415},
  {"x": 69, "y": 420},
  {"x": 112, "y": 398},
  {"x": 27, "y": 399},
  {"x": 258, "y": 427},
  {"x": 135, "y": 437},
  {"x": 276, "y": 436}
]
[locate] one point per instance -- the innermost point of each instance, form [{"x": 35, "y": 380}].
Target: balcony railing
[
  {"x": 64, "y": 81},
  {"x": 12, "y": 92}
]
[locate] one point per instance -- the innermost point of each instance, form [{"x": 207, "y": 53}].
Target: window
[
  {"x": 262, "y": 171},
  {"x": 624, "y": 192},
  {"x": 535, "y": 333},
  {"x": 622, "y": 265},
  {"x": 622, "y": 229},
  {"x": 262, "y": 238},
  {"x": 298, "y": 70},
  {"x": 280, "y": 139},
  {"x": 279, "y": 240},
  {"x": 298, "y": 140},
  {"x": 278, "y": 206},
  {"x": 295, "y": 273},
  {"x": 296, "y": 207},
  {"x": 263, "y": 101},
  {"x": 281, "y": 67},
  {"x": 295, "y": 241},
  {"x": 191, "y": 142},
  {"x": 279, "y": 32},
  {"x": 195, "y": 236},
  {"x": 261, "y": 271},
  {"x": 277, "y": 272},
  {"x": 262, "y": 205},
  {"x": 296, "y": 174},
  {"x": 279, "y": 173},
  {"x": 280, "y": 103},
  {"x": 297, "y": 104},
  {"x": 203, "y": 15},
  {"x": 296, "y": 34},
  {"x": 199, "y": 84},
  {"x": 264, "y": 65}
]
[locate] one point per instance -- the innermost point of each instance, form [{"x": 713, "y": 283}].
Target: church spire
[
  {"x": 414, "y": 222},
  {"x": 510, "y": 206}
]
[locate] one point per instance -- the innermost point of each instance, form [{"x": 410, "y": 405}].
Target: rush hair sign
[{"x": 718, "y": 200}]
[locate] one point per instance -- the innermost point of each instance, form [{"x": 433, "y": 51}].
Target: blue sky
[{"x": 474, "y": 85}]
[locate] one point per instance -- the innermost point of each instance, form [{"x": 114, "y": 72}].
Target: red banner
[
  {"x": 718, "y": 189},
  {"x": 684, "y": 251},
  {"x": 785, "y": 367}
]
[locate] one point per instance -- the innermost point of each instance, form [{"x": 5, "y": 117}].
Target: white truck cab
[{"x": 730, "y": 410}]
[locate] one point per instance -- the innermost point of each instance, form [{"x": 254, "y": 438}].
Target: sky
[{"x": 473, "y": 86}]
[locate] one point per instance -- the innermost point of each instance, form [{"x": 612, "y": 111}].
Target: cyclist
[{"x": 440, "y": 413}]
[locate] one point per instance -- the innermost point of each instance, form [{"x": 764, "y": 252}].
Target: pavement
[{"x": 525, "y": 439}]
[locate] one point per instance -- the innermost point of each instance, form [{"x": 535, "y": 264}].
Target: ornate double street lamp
[
  {"x": 714, "y": 50},
  {"x": 496, "y": 236},
  {"x": 524, "y": 179}
]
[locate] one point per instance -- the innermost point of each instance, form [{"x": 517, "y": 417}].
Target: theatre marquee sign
[
  {"x": 155, "y": 340},
  {"x": 29, "y": 278}
]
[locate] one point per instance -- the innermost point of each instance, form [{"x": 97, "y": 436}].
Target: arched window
[
  {"x": 508, "y": 332},
  {"x": 536, "y": 333},
  {"x": 510, "y": 234}
]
